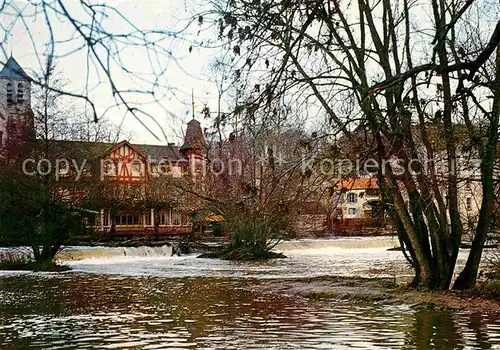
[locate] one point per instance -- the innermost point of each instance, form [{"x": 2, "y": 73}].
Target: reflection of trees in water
[
  {"x": 433, "y": 329},
  {"x": 219, "y": 307},
  {"x": 477, "y": 324},
  {"x": 441, "y": 329},
  {"x": 215, "y": 305}
]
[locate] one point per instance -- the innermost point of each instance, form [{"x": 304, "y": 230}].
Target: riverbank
[
  {"x": 377, "y": 290},
  {"x": 15, "y": 265}
]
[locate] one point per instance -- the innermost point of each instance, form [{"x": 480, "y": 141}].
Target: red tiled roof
[{"x": 357, "y": 184}]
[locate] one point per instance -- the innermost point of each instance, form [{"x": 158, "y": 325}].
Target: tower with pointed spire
[
  {"x": 194, "y": 148},
  {"x": 16, "y": 115}
]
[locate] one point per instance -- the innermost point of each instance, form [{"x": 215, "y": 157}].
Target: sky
[
  {"x": 178, "y": 73},
  {"x": 171, "y": 69}
]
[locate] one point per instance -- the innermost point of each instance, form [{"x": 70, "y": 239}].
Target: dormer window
[
  {"x": 10, "y": 93},
  {"x": 20, "y": 92}
]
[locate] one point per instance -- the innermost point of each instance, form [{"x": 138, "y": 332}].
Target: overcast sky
[
  {"x": 175, "y": 72},
  {"x": 179, "y": 72}
]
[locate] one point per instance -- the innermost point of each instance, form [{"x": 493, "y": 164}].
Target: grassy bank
[{"x": 381, "y": 290}]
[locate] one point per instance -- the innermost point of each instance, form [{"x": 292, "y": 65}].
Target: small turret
[
  {"x": 194, "y": 148},
  {"x": 194, "y": 141}
]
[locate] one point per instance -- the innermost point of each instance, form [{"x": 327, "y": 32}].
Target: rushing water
[{"x": 145, "y": 299}]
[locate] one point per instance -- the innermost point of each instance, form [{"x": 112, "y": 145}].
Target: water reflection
[
  {"x": 81, "y": 310},
  {"x": 433, "y": 329}
]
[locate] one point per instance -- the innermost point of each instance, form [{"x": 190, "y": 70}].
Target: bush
[
  {"x": 256, "y": 232},
  {"x": 488, "y": 284},
  {"x": 20, "y": 261},
  {"x": 217, "y": 229},
  {"x": 34, "y": 218}
]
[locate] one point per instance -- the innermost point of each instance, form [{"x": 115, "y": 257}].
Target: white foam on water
[
  {"x": 105, "y": 255},
  {"x": 344, "y": 256},
  {"x": 353, "y": 256},
  {"x": 341, "y": 243}
]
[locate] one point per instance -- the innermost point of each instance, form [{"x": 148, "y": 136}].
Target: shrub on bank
[
  {"x": 19, "y": 261},
  {"x": 488, "y": 284}
]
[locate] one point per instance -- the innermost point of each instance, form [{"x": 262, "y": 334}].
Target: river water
[{"x": 142, "y": 298}]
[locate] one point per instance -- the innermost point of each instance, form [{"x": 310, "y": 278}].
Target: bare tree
[
  {"x": 43, "y": 212},
  {"x": 372, "y": 66},
  {"x": 104, "y": 36},
  {"x": 254, "y": 178}
]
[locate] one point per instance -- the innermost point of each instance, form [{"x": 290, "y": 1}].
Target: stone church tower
[{"x": 16, "y": 115}]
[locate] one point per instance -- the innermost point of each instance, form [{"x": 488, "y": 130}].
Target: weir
[
  {"x": 351, "y": 243},
  {"x": 342, "y": 243},
  {"x": 81, "y": 253}
]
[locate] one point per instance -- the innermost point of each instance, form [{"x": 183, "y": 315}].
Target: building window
[
  {"x": 176, "y": 171},
  {"x": 165, "y": 218},
  {"x": 127, "y": 219},
  {"x": 468, "y": 204},
  {"x": 108, "y": 167},
  {"x": 176, "y": 218},
  {"x": 352, "y": 211},
  {"x": 10, "y": 93},
  {"x": 136, "y": 168},
  {"x": 147, "y": 218},
  {"x": 20, "y": 92},
  {"x": 352, "y": 198}
]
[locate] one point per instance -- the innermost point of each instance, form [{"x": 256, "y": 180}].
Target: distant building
[
  {"x": 358, "y": 204},
  {"x": 131, "y": 171},
  {"x": 122, "y": 170},
  {"x": 16, "y": 116}
]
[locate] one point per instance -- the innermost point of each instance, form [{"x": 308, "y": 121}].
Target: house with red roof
[{"x": 358, "y": 204}]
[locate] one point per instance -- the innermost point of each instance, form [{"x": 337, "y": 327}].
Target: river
[{"x": 142, "y": 298}]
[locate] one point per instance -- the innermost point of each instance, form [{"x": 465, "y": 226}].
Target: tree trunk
[
  {"x": 467, "y": 278},
  {"x": 157, "y": 219},
  {"x": 36, "y": 253},
  {"x": 113, "y": 223}
]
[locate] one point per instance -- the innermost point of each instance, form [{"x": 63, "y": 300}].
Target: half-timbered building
[{"x": 122, "y": 187}]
